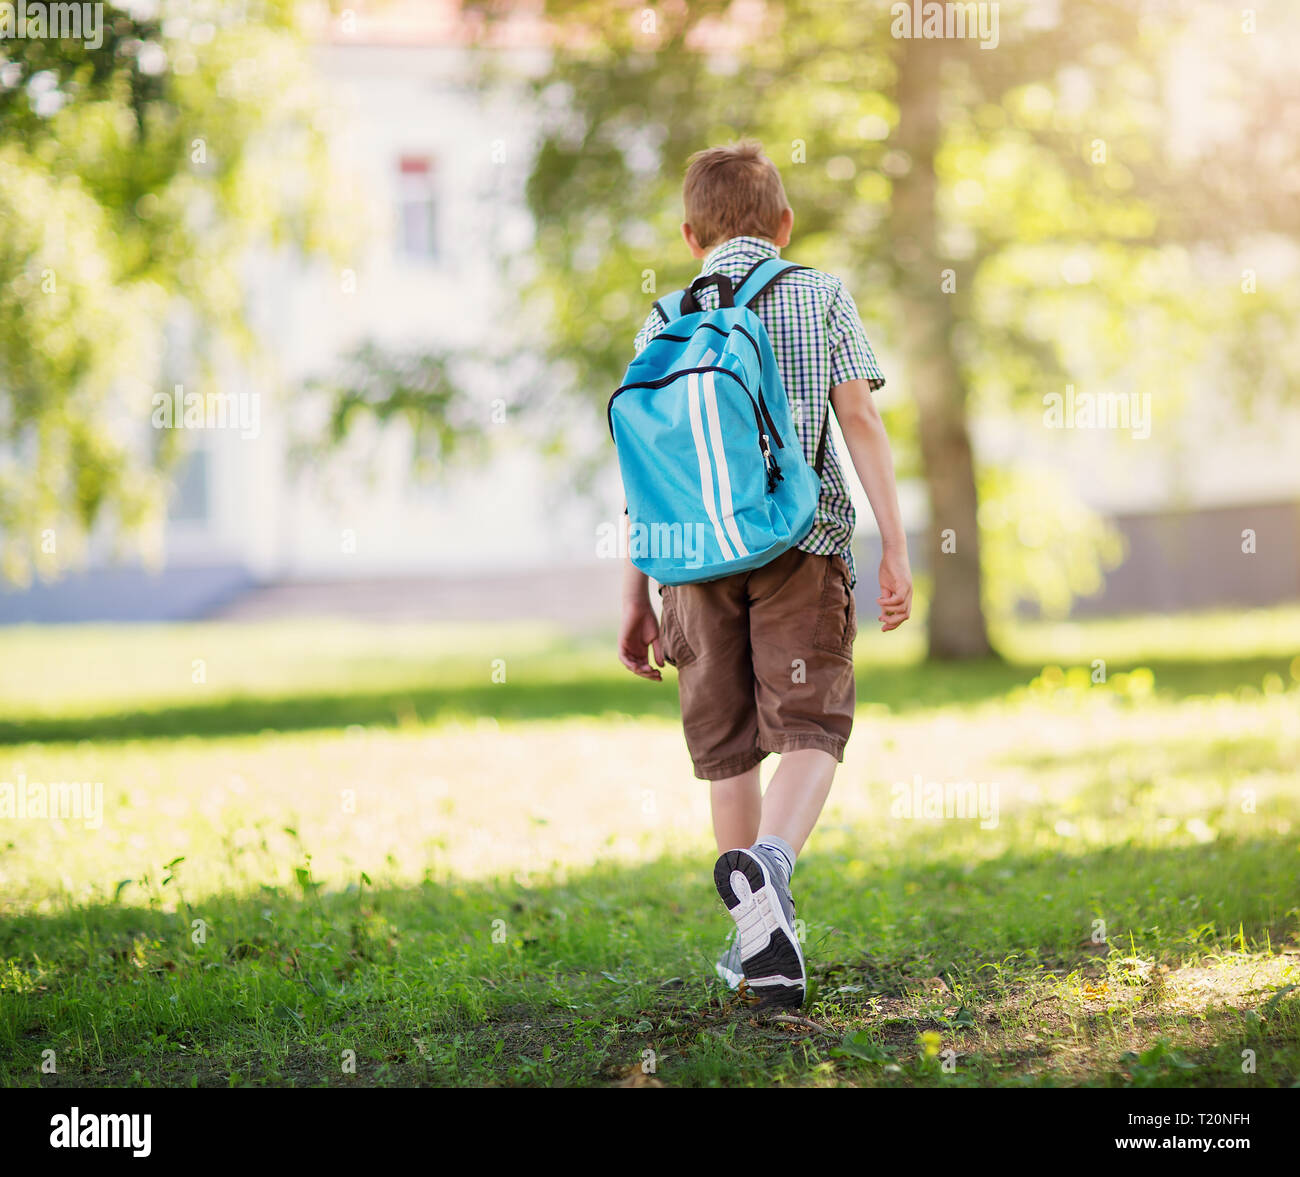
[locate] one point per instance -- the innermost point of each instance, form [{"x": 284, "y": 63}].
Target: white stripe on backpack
[
  {"x": 720, "y": 458},
  {"x": 702, "y": 456}
]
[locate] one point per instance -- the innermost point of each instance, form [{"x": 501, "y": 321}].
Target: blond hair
[{"x": 733, "y": 191}]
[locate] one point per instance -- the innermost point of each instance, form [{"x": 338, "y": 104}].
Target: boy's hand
[
  {"x": 895, "y": 598},
  {"x": 638, "y": 631}
]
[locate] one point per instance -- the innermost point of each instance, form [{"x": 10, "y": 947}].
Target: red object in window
[{"x": 414, "y": 165}]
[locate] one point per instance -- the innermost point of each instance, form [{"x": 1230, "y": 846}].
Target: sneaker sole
[{"x": 771, "y": 957}]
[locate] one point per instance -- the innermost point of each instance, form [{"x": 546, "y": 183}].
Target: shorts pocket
[
  {"x": 837, "y": 615},
  {"x": 677, "y": 650}
]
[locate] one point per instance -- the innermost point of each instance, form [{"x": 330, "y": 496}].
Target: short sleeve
[
  {"x": 851, "y": 354},
  {"x": 654, "y": 323}
]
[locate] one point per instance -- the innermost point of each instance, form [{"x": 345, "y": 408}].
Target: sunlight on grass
[
  {"x": 376, "y": 807},
  {"x": 1070, "y": 765},
  {"x": 1210, "y": 636},
  {"x": 87, "y": 669}
]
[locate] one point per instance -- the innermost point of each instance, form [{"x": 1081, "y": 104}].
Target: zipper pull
[{"x": 774, "y": 474}]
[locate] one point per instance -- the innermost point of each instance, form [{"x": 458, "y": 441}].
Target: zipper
[
  {"x": 758, "y": 404},
  {"x": 762, "y": 402},
  {"x": 663, "y": 380},
  {"x": 770, "y": 466}
]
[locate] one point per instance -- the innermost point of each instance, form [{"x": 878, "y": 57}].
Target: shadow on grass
[
  {"x": 568, "y": 983},
  {"x": 525, "y": 697}
]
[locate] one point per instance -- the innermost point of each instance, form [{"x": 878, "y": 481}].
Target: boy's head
[{"x": 734, "y": 191}]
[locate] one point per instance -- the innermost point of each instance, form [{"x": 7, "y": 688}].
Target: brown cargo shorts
[{"x": 764, "y": 661}]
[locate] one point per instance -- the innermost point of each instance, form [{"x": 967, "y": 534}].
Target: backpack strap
[
  {"x": 670, "y": 306},
  {"x": 751, "y": 286},
  {"x": 761, "y": 277},
  {"x": 691, "y": 303},
  {"x": 755, "y": 284},
  {"x": 684, "y": 302}
]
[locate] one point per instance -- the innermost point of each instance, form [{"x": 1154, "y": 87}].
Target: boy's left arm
[
  {"x": 854, "y": 377},
  {"x": 868, "y": 445}
]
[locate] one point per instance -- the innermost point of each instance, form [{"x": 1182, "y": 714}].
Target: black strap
[
  {"x": 726, "y": 297},
  {"x": 821, "y": 444}
]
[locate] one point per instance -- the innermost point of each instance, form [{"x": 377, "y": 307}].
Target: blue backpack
[{"x": 714, "y": 474}]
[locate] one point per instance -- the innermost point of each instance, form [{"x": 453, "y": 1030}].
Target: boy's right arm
[{"x": 639, "y": 630}]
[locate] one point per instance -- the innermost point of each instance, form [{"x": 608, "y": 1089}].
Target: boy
[{"x": 765, "y": 658}]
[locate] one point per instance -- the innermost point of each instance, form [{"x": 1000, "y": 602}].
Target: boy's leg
[
  {"x": 802, "y": 625},
  {"x": 737, "y": 804},
  {"x": 754, "y": 883},
  {"x": 795, "y": 797},
  {"x": 706, "y": 636}
]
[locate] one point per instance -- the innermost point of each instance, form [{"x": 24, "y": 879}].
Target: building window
[{"x": 417, "y": 209}]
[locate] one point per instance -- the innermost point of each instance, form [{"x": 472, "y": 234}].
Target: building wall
[
  {"x": 1195, "y": 560},
  {"x": 406, "y": 122}
]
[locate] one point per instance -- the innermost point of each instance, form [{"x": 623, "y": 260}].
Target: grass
[{"x": 347, "y": 856}]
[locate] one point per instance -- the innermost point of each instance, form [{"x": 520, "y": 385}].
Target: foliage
[
  {"x": 135, "y": 180},
  {"x": 1083, "y": 244},
  {"x": 1041, "y": 545}
]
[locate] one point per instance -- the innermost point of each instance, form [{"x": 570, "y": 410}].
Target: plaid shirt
[{"x": 818, "y": 341}]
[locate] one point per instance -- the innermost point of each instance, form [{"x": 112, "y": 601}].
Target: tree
[
  {"x": 961, "y": 186},
  {"x": 137, "y": 171}
]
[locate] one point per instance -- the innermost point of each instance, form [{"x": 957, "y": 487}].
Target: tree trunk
[{"x": 956, "y": 621}]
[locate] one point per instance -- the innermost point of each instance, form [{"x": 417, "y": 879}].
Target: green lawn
[{"x": 345, "y": 855}]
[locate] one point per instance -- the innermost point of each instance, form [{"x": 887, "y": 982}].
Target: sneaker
[
  {"x": 754, "y": 888},
  {"x": 729, "y": 969}
]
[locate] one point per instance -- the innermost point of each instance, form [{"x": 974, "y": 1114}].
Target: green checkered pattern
[{"x": 818, "y": 341}]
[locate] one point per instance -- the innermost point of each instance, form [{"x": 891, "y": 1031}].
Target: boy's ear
[
  {"x": 782, "y": 238},
  {"x": 692, "y": 242}
]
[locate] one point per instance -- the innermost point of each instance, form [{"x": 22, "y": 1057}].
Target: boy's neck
[{"x": 742, "y": 237}]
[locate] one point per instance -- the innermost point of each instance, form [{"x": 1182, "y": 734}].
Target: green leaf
[
  {"x": 1272, "y": 1003},
  {"x": 859, "y": 1044}
]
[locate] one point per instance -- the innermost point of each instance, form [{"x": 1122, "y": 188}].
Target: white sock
[{"x": 782, "y": 850}]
